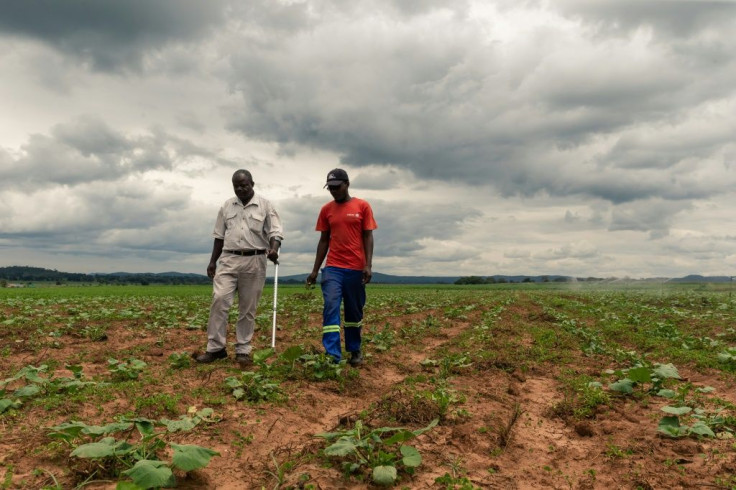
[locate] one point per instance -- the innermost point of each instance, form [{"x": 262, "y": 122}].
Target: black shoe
[
  {"x": 356, "y": 358},
  {"x": 243, "y": 360},
  {"x": 208, "y": 357}
]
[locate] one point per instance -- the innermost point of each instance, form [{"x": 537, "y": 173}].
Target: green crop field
[{"x": 590, "y": 385}]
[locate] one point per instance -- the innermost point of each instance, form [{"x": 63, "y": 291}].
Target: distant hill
[
  {"x": 31, "y": 274},
  {"x": 379, "y": 278},
  {"x": 38, "y": 274},
  {"x": 697, "y": 278},
  {"x": 159, "y": 274},
  {"x": 26, "y": 274}
]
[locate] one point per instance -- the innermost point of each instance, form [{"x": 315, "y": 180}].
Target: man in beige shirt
[{"x": 247, "y": 231}]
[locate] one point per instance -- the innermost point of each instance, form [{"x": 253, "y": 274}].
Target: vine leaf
[
  {"x": 384, "y": 475},
  {"x": 151, "y": 474},
  {"x": 190, "y": 457}
]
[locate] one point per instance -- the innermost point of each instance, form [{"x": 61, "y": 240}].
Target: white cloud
[{"x": 578, "y": 250}]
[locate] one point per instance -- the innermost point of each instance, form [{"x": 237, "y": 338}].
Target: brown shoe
[
  {"x": 208, "y": 357},
  {"x": 243, "y": 360}
]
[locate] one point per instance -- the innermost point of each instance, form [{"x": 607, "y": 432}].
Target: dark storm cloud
[
  {"x": 459, "y": 108},
  {"x": 654, "y": 216},
  {"x": 472, "y": 126},
  {"x": 86, "y": 150},
  {"x": 91, "y": 136},
  {"x": 636, "y": 151},
  {"x": 108, "y": 216},
  {"x": 86, "y": 189},
  {"x": 674, "y": 17},
  {"x": 622, "y": 187},
  {"x": 109, "y": 34},
  {"x": 403, "y": 225},
  {"x": 94, "y": 206}
]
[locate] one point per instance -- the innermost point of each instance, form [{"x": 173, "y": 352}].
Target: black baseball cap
[{"x": 336, "y": 177}]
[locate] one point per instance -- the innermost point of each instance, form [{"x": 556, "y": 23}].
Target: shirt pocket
[
  {"x": 255, "y": 223},
  {"x": 231, "y": 220}
]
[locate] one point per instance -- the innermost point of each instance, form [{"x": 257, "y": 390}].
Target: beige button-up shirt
[{"x": 248, "y": 227}]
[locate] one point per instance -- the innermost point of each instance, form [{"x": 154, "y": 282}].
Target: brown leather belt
[{"x": 245, "y": 253}]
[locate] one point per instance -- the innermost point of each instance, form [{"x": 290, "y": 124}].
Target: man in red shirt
[{"x": 346, "y": 225}]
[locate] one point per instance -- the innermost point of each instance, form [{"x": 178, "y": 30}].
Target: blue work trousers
[{"x": 342, "y": 286}]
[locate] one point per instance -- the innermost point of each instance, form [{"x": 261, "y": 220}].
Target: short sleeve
[
  {"x": 369, "y": 223},
  {"x": 322, "y": 223},
  {"x": 219, "y": 230},
  {"x": 273, "y": 222}
]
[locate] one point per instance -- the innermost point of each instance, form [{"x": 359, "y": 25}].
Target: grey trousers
[{"x": 246, "y": 275}]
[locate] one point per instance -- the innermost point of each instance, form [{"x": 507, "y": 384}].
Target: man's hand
[
  {"x": 311, "y": 279},
  {"x": 367, "y": 274},
  {"x": 216, "y": 252},
  {"x": 273, "y": 255}
]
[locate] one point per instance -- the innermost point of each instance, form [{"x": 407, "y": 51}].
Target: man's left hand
[
  {"x": 273, "y": 255},
  {"x": 367, "y": 275}
]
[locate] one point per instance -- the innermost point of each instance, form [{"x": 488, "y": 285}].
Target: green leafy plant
[
  {"x": 254, "y": 387},
  {"x": 191, "y": 420},
  {"x": 444, "y": 397},
  {"x": 413, "y": 404},
  {"x": 449, "y": 364},
  {"x": 263, "y": 385},
  {"x": 450, "y": 482},
  {"x": 37, "y": 385},
  {"x": 295, "y": 362},
  {"x": 581, "y": 396},
  {"x": 728, "y": 356},
  {"x": 615, "y": 452},
  {"x": 125, "y": 371},
  {"x": 672, "y": 426},
  {"x": 8, "y": 479},
  {"x": 320, "y": 367},
  {"x": 137, "y": 460},
  {"x": 8, "y": 403},
  {"x": 383, "y": 340},
  {"x": 280, "y": 470},
  {"x": 454, "y": 364},
  {"x": 96, "y": 333},
  {"x": 180, "y": 360},
  {"x": 380, "y": 452},
  {"x": 641, "y": 375},
  {"x": 591, "y": 342}
]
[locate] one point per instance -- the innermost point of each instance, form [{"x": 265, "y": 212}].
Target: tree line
[
  {"x": 528, "y": 279},
  {"x": 25, "y": 274}
]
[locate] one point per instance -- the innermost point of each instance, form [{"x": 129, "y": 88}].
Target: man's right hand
[
  {"x": 311, "y": 279},
  {"x": 211, "y": 270}
]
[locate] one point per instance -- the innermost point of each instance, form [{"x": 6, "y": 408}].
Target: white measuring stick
[{"x": 275, "y": 299}]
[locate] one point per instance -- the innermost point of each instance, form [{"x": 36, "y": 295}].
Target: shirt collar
[{"x": 253, "y": 201}]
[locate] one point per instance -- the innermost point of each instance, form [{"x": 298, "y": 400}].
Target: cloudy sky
[{"x": 576, "y": 137}]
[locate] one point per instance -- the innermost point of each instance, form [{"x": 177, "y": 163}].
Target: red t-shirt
[{"x": 346, "y": 222}]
